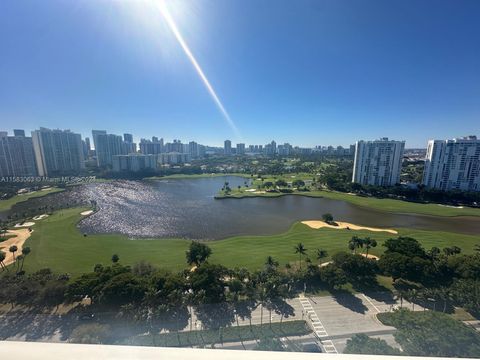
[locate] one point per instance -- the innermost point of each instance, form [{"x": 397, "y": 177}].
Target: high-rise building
[
  {"x": 129, "y": 147},
  {"x": 18, "y": 132},
  {"x": 227, "y": 147},
  {"x": 154, "y": 146},
  {"x": 17, "y": 157},
  {"x": 176, "y": 146},
  {"x": 106, "y": 146},
  {"x": 240, "y": 149},
  {"x": 57, "y": 152},
  {"x": 95, "y": 133},
  {"x": 128, "y": 138},
  {"x": 285, "y": 149},
  {"x": 378, "y": 162},
  {"x": 193, "y": 150},
  {"x": 453, "y": 164}
]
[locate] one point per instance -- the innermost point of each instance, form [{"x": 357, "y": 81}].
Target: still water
[{"x": 186, "y": 208}]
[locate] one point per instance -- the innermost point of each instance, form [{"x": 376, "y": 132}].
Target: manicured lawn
[
  {"x": 387, "y": 205},
  {"x": 228, "y": 334},
  {"x": 57, "y": 243},
  {"x": 8, "y": 203}
]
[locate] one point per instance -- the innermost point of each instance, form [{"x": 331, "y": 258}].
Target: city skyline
[{"x": 363, "y": 71}]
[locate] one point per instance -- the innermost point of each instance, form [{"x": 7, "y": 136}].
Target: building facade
[
  {"x": 17, "y": 157},
  {"x": 139, "y": 162},
  {"x": 57, "y": 152},
  {"x": 227, "y": 147},
  {"x": 241, "y": 149},
  {"x": 453, "y": 164},
  {"x": 378, "y": 162}
]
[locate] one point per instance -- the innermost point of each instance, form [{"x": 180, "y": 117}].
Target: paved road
[{"x": 334, "y": 319}]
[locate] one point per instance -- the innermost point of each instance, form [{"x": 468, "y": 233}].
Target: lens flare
[{"x": 162, "y": 7}]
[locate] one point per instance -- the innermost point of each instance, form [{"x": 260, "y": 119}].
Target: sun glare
[{"x": 164, "y": 11}]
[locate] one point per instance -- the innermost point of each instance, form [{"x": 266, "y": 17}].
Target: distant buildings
[
  {"x": 134, "y": 162},
  {"x": 140, "y": 162},
  {"x": 453, "y": 164},
  {"x": 285, "y": 149},
  {"x": 378, "y": 162},
  {"x": 227, "y": 147},
  {"x": 241, "y": 149},
  {"x": 57, "y": 152},
  {"x": 17, "y": 157},
  {"x": 129, "y": 147},
  {"x": 154, "y": 146},
  {"x": 106, "y": 146},
  {"x": 176, "y": 146}
]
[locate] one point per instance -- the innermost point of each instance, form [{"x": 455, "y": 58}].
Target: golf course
[
  {"x": 385, "y": 205},
  {"x": 57, "y": 243},
  {"x": 8, "y": 203}
]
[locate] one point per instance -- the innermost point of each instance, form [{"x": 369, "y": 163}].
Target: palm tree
[
  {"x": 271, "y": 262},
  {"x": 20, "y": 258},
  {"x": 412, "y": 297},
  {"x": 321, "y": 253},
  {"x": 354, "y": 243},
  {"x": 25, "y": 251},
  {"x": 300, "y": 250},
  {"x": 13, "y": 249},
  {"x": 434, "y": 252},
  {"x": 369, "y": 243},
  {"x": 2, "y": 258}
]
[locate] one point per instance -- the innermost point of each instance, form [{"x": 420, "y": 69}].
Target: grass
[
  {"x": 229, "y": 334},
  {"x": 58, "y": 244},
  {"x": 8, "y": 203},
  {"x": 385, "y": 205}
]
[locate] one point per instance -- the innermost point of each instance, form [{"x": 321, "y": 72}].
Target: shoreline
[
  {"x": 7, "y": 204},
  {"x": 392, "y": 206},
  {"x": 78, "y": 253}
]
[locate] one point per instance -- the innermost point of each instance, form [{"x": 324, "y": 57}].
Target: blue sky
[{"x": 310, "y": 72}]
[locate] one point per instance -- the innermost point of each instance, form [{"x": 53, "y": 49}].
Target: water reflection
[{"x": 186, "y": 209}]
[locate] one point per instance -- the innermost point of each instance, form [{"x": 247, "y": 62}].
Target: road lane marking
[{"x": 371, "y": 303}]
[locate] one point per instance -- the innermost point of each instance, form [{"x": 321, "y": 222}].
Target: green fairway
[
  {"x": 57, "y": 243},
  {"x": 8, "y": 203},
  {"x": 387, "y": 205}
]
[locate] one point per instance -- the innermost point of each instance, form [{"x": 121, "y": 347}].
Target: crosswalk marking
[{"x": 317, "y": 326}]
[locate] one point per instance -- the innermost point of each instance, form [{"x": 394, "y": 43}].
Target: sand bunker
[
  {"x": 25, "y": 224},
  {"x": 317, "y": 224},
  {"x": 370, "y": 256},
  {"x": 40, "y": 217},
  {"x": 87, "y": 212},
  {"x": 20, "y": 236}
]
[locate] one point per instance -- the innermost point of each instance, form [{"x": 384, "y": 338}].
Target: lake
[{"x": 186, "y": 208}]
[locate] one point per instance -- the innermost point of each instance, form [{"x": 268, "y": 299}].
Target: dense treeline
[
  {"x": 163, "y": 300},
  {"x": 339, "y": 178}
]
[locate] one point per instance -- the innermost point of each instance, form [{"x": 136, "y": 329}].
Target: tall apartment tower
[
  {"x": 57, "y": 152},
  {"x": 108, "y": 145},
  {"x": 453, "y": 164},
  {"x": 16, "y": 155},
  {"x": 378, "y": 162},
  {"x": 240, "y": 149},
  {"x": 227, "y": 147}
]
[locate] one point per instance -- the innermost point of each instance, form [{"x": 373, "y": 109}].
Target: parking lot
[{"x": 336, "y": 318}]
